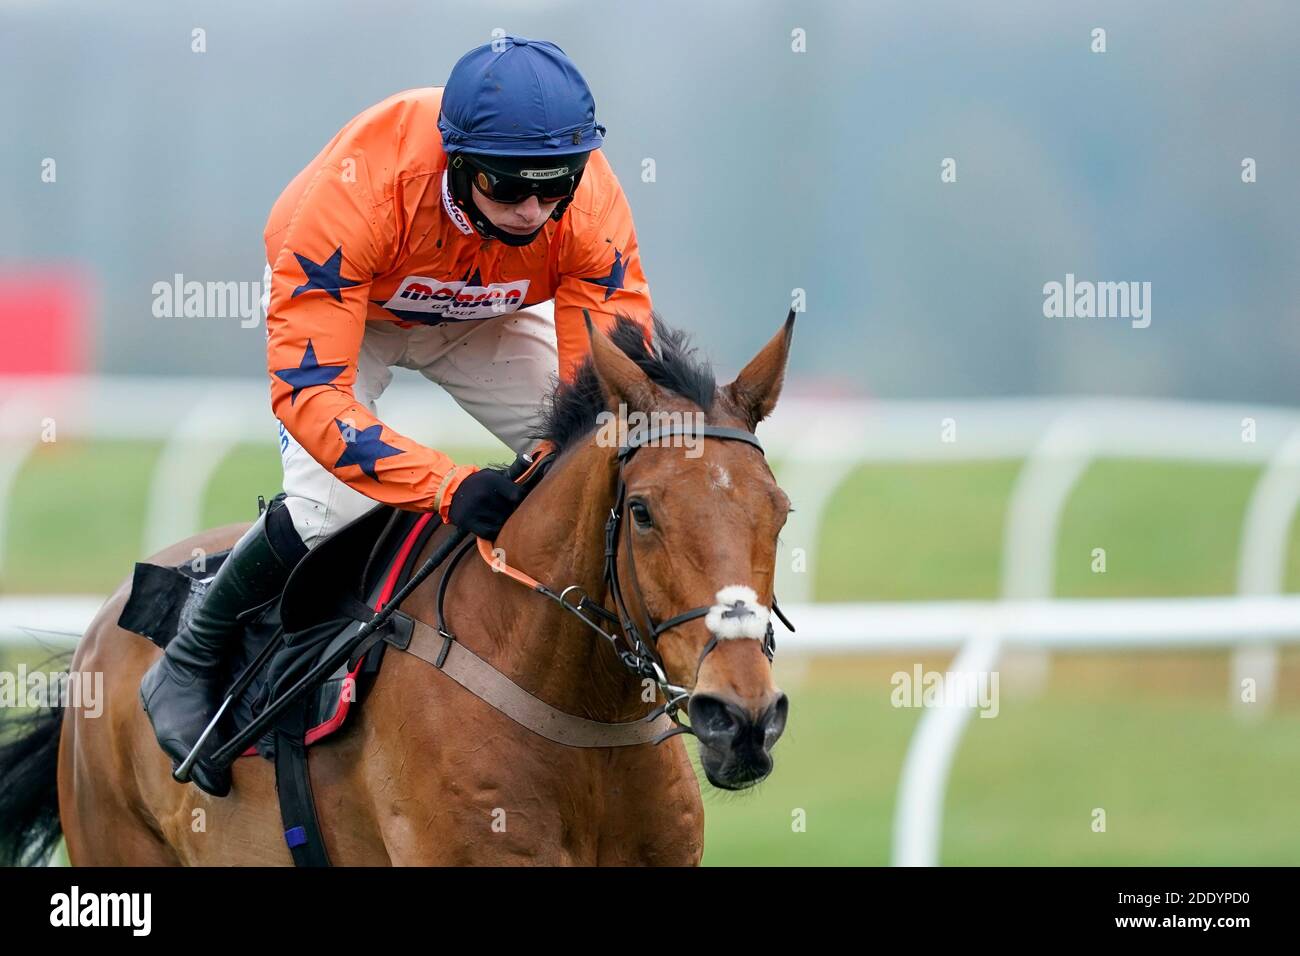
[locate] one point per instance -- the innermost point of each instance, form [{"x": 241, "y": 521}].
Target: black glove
[{"x": 482, "y": 503}]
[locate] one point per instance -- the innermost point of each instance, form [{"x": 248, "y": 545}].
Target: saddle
[{"x": 334, "y": 589}]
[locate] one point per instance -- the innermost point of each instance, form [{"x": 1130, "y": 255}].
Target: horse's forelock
[{"x": 669, "y": 361}]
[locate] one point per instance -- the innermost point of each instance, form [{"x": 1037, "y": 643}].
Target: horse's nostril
[
  {"x": 772, "y": 721},
  {"x": 713, "y": 719}
]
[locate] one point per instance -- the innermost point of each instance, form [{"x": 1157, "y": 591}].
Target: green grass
[
  {"x": 248, "y": 471},
  {"x": 898, "y": 533},
  {"x": 76, "y": 517},
  {"x": 1166, "y": 528},
  {"x": 934, "y": 532},
  {"x": 1180, "y": 781},
  {"x": 1149, "y": 739}
]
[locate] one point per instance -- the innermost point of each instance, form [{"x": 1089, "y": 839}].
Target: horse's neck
[{"x": 557, "y": 537}]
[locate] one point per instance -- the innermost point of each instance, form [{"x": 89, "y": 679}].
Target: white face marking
[
  {"x": 719, "y": 478},
  {"x": 737, "y": 614}
]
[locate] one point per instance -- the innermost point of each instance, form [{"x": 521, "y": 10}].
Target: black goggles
[{"x": 550, "y": 180}]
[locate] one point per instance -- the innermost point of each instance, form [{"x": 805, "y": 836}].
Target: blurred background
[{"x": 958, "y": 459}]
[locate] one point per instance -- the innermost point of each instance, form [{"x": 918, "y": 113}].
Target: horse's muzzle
[{"x": 735, "y": 748}]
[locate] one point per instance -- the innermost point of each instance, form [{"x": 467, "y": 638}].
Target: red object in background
[{"x": 45, "y": 319}]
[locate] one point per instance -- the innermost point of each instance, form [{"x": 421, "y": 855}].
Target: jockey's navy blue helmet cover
[{"x": 518, "y": 97}]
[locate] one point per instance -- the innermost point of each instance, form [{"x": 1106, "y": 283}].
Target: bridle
[
  {"x": 643, "y": 658},
  {"x": 638, "y": 653}
]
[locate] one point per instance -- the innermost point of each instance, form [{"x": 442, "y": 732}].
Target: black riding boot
[{"x": 182, "y": 690}]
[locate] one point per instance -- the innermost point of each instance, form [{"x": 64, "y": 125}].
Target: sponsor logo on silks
[
  {"x": 453, "y": 211},
  {"x": 420, "y": 296}
]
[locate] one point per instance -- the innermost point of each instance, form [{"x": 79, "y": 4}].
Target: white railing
[{"x": 814, "y": 445}]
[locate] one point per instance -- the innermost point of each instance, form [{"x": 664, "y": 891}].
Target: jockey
[{"x": 460, "y": 232}]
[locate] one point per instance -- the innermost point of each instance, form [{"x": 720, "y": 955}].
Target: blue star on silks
[
  {"x": 364, "y": 448},
  {"x": 614, "y": 281},
  {"x": 308, "y": 373},
  {"x": 324, "y": 275}
]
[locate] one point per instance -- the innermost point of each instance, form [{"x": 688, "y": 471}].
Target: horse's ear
[
  {"x": 620, "y": 377},
  {"x": 758, "y": 386}
]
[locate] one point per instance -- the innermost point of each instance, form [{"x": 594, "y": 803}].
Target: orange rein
[{"x": 486, "y": 550}]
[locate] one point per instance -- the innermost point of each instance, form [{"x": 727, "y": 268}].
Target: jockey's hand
[{"x": 482, "y": 503}]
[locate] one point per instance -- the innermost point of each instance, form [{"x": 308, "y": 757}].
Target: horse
[{"x": 428, "y": 774}]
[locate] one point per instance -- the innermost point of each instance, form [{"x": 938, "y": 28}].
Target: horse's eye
[{"x": 640, "y": 514}]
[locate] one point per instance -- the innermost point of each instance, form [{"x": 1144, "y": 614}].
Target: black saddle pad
[{"x": 331, "y": 592}]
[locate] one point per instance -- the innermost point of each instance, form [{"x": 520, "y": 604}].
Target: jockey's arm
[
  {"x": 600, "y": 270},
  {"x": 321, "y": 268}
]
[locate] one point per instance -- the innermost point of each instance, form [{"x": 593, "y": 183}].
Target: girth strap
[
  {"x": 486, "y": 682},
  {"x": 302, "y": 832}
]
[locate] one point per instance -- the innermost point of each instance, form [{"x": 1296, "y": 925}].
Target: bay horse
[{"x": 429, "y": 774}]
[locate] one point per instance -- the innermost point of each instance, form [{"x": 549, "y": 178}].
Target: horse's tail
[{"x": 29, "y": 791}]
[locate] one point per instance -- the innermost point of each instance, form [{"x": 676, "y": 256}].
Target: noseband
[{"x": 637, "y": 653}]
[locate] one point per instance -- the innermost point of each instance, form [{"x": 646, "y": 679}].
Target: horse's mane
[{"x": 670, "y": 362}]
